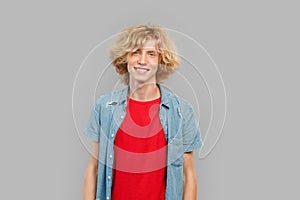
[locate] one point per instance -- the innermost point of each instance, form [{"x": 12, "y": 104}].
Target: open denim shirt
[{"x": 178, "y": 122}]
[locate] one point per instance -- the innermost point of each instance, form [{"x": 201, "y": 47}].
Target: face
[{"x": 143, "y": 63}]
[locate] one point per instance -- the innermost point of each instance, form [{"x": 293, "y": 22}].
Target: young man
[{"x": 144, "y": 135}]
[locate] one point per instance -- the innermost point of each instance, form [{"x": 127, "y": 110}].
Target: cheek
[
  {"x": 154, "y": 63},
  {"x": 157, "y": 60},
  {"x": 131, "y": 61},
  {"x": 130, "y": 64},
  {"x": 129, "y": 67}
]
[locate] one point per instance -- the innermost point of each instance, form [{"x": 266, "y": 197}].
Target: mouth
[{"x": 141, "y": 69}]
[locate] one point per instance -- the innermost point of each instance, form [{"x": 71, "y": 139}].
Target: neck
[{"x": 144, "y": 92}]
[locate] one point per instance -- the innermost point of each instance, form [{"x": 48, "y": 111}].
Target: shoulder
[
  {"x": 185, "y": 107},
  {"x": 175, "y": 100},
  {"x": 112, "y": 98},
  {"x": 181, "y": 101}
]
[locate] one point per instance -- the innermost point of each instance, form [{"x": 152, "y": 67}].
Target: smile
[{"x": 140, "y": 69}]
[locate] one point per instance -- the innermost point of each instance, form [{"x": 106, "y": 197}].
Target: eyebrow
[{"x": 147, "y": 50}]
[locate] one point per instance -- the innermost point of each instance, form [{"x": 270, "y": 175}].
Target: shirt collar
[{"x": 164, "y": 93}]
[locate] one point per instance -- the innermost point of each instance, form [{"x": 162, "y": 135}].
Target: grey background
[{"x": 254, "y": 43}]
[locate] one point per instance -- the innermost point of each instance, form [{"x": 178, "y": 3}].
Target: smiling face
[{"x": 143, "y": 63}]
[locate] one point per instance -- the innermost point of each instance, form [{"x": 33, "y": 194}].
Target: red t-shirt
[{"x": 140, "y": 154}]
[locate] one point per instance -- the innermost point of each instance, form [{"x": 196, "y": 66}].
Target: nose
[{"x": 142, "y": 59}]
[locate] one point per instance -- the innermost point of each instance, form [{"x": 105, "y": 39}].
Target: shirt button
[
  {"x": 107, "y": 197},
  {"x": 110, "y": 156},
  {"x": 122, "y": 116},
  {"x": 108, "y": 177},
  {"x": 112, "y": 135}
]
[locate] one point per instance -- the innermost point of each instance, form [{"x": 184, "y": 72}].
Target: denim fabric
[{"x": 179, "y": 124}]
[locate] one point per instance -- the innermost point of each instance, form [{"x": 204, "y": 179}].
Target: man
[{"x": 144, "y": 135}]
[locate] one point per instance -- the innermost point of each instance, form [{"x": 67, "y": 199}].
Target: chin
[{"x": 143, "y": 81}]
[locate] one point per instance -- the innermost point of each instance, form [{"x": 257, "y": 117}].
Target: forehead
[{"x": 148, "y": 44}]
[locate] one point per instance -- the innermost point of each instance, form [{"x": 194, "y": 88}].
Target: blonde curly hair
[{"x": 133, "y": 38}]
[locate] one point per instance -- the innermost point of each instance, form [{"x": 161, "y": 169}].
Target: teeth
[{"x": 141, "y": 69}]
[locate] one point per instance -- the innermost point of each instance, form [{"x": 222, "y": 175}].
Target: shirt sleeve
[
  {"x": 92, "y": 130},
  {"x": 191, "y": 130}
]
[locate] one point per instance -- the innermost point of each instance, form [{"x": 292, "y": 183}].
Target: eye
[
  {"x": 152, "y": 54},
  {"x": 136, "y": 52}
]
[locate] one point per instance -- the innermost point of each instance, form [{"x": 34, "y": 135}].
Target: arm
[
  {"x": 90, "y": 178},
  {"x": 189, "y": 177}
]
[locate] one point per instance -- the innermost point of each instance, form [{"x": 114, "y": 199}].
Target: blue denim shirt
[{"x": 178, "y": 122}]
